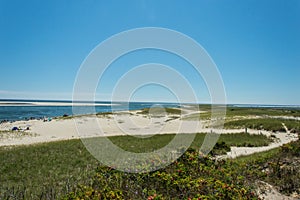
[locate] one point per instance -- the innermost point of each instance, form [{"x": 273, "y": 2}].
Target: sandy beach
[{"x": 122, "y": 123}]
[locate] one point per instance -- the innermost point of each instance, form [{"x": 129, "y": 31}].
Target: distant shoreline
[
  {"x": 16, "y": 110},
  {"x": 39, "y": 102},
  {"x": 44, "y": 103},
  {"x": 121, "y": 124}
]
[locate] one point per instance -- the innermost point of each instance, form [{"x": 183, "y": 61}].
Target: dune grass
[
  {"x": 270, "y": 124},
  {"x": 158, "y": 110},
  {"x": 53, "y": 169},
  {"x": 241, "y": 111},
  {"x": 48, "y": 168},
  {"x": 260, "y": 124},
  {"x": 293, "y": 125},
  {"x": 190, "y": 177},
  {"x": 15, "y": 134},
  {"x": 196, "y": 177},
  {"x": 138, "y": 144},
  {"x": 245, "y": 112}
]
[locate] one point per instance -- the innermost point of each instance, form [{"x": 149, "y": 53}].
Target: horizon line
[{"x": 147, "y": 101}]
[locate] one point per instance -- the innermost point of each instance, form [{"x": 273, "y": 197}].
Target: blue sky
[{"x": 254, "y": 43}]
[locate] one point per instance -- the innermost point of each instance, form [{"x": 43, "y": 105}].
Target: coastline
[
  {"x": 28, "y": 103},
  {"x": 131, "y": 123}
]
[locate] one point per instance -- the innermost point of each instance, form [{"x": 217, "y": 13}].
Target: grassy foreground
[
  {"x": 51, "y": 170},
  {"x": 196, "y": 177},
  {"x": 45, "y": 170}
]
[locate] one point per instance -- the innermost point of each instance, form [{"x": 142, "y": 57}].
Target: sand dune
[{"x": 123, "y": 123}]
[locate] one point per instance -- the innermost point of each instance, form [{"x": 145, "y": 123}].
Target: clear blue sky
[{"x": 254, "y": 43}]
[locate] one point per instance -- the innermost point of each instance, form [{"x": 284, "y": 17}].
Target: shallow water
[{"x": 14, "y": 110}]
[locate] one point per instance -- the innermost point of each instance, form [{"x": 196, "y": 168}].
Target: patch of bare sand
[{"x": 124, "y": 123}]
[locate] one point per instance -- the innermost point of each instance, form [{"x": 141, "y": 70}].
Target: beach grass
[
  {"x": 139, "y": 144},
  {"x": 56, "y": 168},
  {"x": 269, "y": 124},
  {"x": 234, "y": 112},
  {"x": 158, "y": 110},
  {"x": 15, "y": 134},
  {"x": 196, "y": 177},
  {"x": 241, "y": 111},
  {"x": 36, "y": 170}
]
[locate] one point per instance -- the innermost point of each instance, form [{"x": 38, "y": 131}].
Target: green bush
[
  {"x": 259, "y": 124},
  {"x": 190, "y": 177}
]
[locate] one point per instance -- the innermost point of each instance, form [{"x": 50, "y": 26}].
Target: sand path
[
  {"x": 123, "y": 123},
  {"x": 282, "y": 138}
]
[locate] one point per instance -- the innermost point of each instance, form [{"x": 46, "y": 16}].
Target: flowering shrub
[{"x": 190, "y": 177}]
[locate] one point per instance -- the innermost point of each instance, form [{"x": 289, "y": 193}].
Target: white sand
[
  {"x": 91, "y": 126},
  {"x": 282, "y": 138},
  {"x": 268, "y": 192},
  {"x": 124, "y": 123}
]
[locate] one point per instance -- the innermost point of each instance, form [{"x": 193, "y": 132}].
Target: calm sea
[{"x": 14, "y": 110}]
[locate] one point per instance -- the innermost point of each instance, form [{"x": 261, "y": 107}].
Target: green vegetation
[
  {"x": 190, "y": 177},
  {"x": 15, "y": 134},
  {"x": 260, "y": 124},
  {"x": 279, "y": 167},
  {"x": 245, "y": 112},
  {"x": 100, "y": 114},
  {"x": 197, "y": 116},
  {"x": 239, "y": 111},
  {"x": 56, "y": 168},
  {"x": 139, "y": 144},
  {"x": 66, "y": 170},
  {"x": 245, "y": 140},
  {"x": 158, "y": 111},
  {"x": 44, "y": 170},
  {"x": 104, "y": 113},
  {"x": 293, "y": 125},
  {"x": 269, "y": 124},
  {"x": 284, "y": 169},
  {"x": 271, "y": 119},
  {"x": 193, "y": 177}
]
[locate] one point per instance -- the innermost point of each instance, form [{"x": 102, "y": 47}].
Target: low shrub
[{"x": 190, "y": 177}]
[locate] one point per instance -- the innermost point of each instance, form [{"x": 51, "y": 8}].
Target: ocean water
[{"x": 14, "y": 110}]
